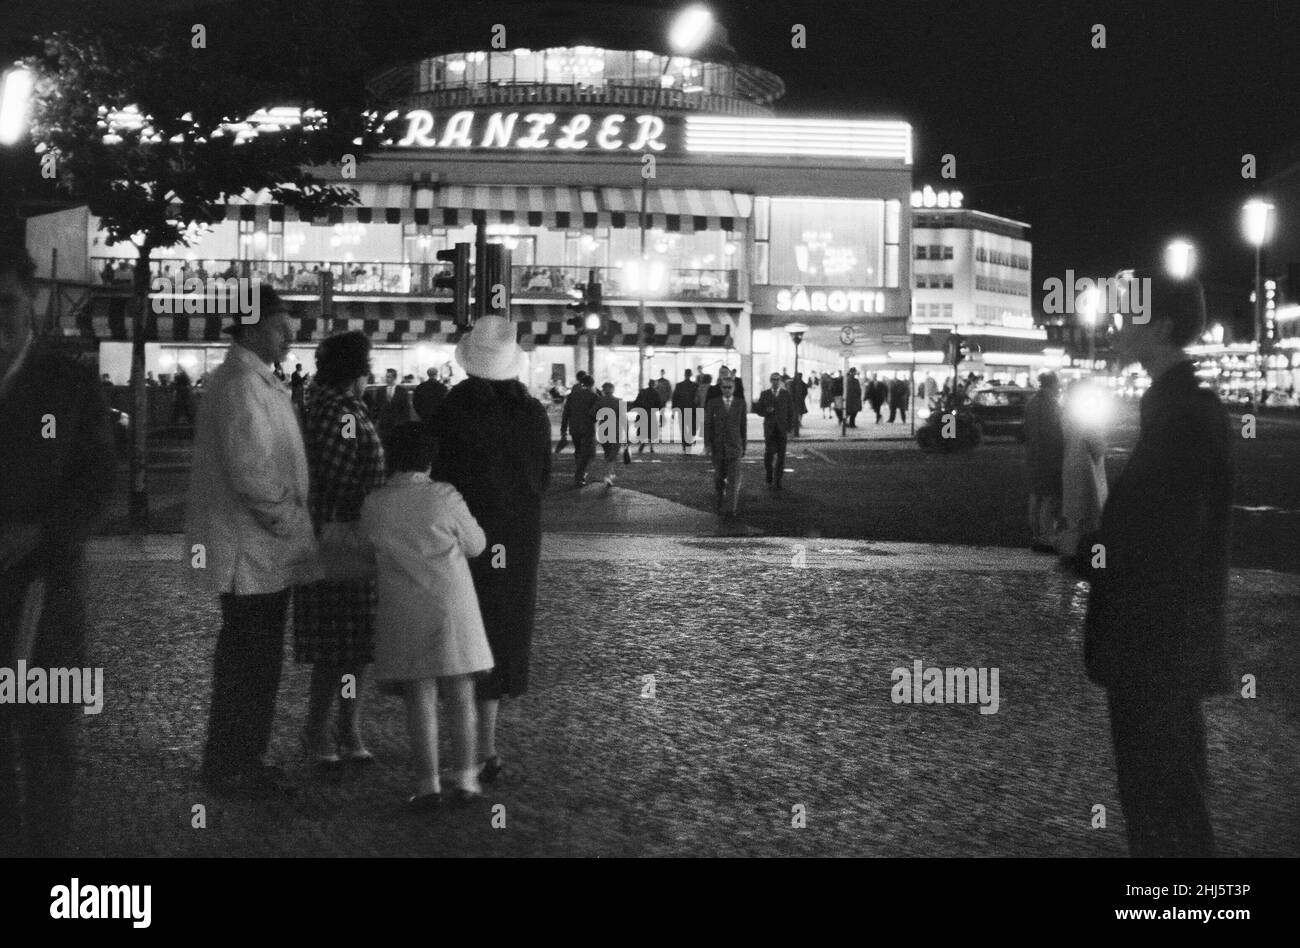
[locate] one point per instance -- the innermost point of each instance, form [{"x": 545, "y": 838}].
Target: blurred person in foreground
[
  {"x": 55, "y": 484},
  {"x": 1044, "y": 455},
  {"x": 1088, "y": 413},
  {"x": 1154, "y": 633}
]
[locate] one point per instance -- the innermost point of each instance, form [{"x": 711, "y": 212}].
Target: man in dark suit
[
  {"x": 726, "y": 427},
  {"x": 390, "y": 405},
  {"x": 899, "y": 395},
  {"x": 55, "y": 483},
  {"x": 776, "y": 407},
  {"x": 683, "y": 402},
  {"x": 1154, "y": 634},
  {"x": 799, "y": 395},
  {"x": 428, "y": 396},
  {"x": 579, "y": 420}
]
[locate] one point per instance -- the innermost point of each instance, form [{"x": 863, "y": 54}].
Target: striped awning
[
  {"x": 685, "y": 326},
  {"x": 670, "y": 209},
  {"x": 377, "y": 204},
  {"x": 109, "y": 319},
  {"x": 557, "y": 208}
]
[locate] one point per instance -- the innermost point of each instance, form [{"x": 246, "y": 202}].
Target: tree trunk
[{"x": 139, "y": 497}]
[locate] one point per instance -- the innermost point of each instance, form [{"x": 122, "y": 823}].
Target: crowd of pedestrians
[{"x": 412, "y": 544}]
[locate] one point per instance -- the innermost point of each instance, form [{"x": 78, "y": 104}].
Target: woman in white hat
[{"x": 493, "y": 443}]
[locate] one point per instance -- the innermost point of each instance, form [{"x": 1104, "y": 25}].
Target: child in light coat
[{"x": 428, "y": 631}]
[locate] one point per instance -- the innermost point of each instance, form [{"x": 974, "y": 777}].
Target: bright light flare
[
  {"x": 690, "y": 29},
  {"x": 1255, "y": 216},
  {"x": 1090, "y": 406},
  {"x": 1180, "y": 259},
  {"x": 15, "y": 100}
]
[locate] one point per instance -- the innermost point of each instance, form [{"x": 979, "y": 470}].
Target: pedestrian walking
[
  {"x": 827, "y": 394},
  {"x": 853, "y": 397},
  {"x": 611, "y": 408},
  {"x": 648, "y": 401},
  {"x": 726, "y": 421},
  {"x": 703, "y": 383},
  {"x": 54, "y": 492},
  {"x": 1154, "y": 633},
  {"x": 683, "y": 403},
  {"x": 493, "y": 443},
  {"x": 429, "y": 638},
  {"x": 837, "y": 397},
  {"x": 877, "y": 394},
  {"x": 579, "y": 420},
  {"x": 249, "y": 519},
  {"x": 390, "y": 404},
  {"x": 776, "y": 408},
  {"x": 297, "y": 388},
  {"x": 333, "y": 620},
  {"x": 899, "y": 395},
  {"x": 428, "y": 395},
  {"x": 799, "y": 393},
  {"x": 664, "y": 388},
  {"x": 1044, "y": 455},
  {"x": 182, "y": 401}
]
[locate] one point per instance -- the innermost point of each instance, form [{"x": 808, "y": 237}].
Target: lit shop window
[{"x": 827, "y": 242}]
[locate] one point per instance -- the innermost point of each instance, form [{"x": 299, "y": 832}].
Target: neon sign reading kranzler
[{"x": 533, "y": 131}]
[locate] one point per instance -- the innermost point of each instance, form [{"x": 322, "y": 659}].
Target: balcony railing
[{"x": 416, "y": 279}]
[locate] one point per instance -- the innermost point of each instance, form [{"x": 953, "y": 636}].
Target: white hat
[{"x": 490, "y": 350}]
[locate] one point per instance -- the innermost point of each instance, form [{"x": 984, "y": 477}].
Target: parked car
[{"x": 1000, "y": 410}]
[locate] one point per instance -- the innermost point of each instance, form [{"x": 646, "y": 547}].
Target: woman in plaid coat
[{"x": 333, "y": 622}]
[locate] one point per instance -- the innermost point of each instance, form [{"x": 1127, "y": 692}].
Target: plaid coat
[{"x": 334, "y": 621}]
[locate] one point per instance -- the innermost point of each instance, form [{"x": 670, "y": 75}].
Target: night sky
[{"x": 1107, "y": 153}]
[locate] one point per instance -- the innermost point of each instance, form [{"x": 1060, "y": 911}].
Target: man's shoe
[{"x": 490, "y": 770}]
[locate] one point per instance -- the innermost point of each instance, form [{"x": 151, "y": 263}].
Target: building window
[
  {"x": 947, "y": 251},
  {"x": 921, "y": 252}
]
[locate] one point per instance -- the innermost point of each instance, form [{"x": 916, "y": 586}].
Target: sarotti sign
[
  {"x": 796, "y": 299},
  {"x": 533, "y": 131}
]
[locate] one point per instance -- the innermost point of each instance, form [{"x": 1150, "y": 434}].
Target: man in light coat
[
  {"x": 250, "y": 534},
  {"x": 726, "y": 427}
]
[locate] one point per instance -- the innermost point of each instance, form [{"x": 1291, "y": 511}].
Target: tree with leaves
[{"x": 155, "y": 125}]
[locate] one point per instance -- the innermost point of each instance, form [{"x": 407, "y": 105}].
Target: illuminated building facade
[{"x": 754, "y": 221}]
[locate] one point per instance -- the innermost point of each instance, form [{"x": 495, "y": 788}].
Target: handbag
[{"x": 344, "y": 553}]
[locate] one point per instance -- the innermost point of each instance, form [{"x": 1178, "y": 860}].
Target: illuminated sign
[
  {"x": 796, "y": 299},
  {"x": 761, "y": 135},
  {"x": 928, "y": 197},
  {"x": 534, "y": 131}
]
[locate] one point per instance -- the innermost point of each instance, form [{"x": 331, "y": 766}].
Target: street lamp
[
  {"x": 1255, "y": 222},
  {"x": 1180, "y": 259},
  {"x": 15, "y": 98},
  {"x": 689, "y": 29}
]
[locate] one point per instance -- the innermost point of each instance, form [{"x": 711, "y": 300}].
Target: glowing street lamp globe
[{"x": 690, "y": 28}]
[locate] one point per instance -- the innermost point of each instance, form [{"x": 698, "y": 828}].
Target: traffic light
[
  {"x": 959, "y": 348},
  {"x": 458, "y": 282},
  {"x": 593, "y": 294},
  {"x": 496, "y": 281},
  {"x": 578, "y": 308}
]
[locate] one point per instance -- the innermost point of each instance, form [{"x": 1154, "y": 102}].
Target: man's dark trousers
[
  {"x": 584, "y": 451},
  {"x": 774, "y": 443},
  {"x": 1161, "y": 761},
  {"x": 245, "y": 679}
]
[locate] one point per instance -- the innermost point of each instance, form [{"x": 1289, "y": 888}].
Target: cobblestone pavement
[{"x": 771, "y": 691}]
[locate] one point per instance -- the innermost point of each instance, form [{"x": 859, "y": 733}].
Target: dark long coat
[
  {"x": 1156, "y": 612},
  {"x": 853, "y": 395},
  {"x": 493, "y": 444}
]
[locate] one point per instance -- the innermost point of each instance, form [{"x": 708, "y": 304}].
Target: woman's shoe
[
  {"x": 425, "y": 802},
  {"x": 490, "y": 769},
  {"x": 312, "y": 749},
  {"x": 354, "y": 752}
]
